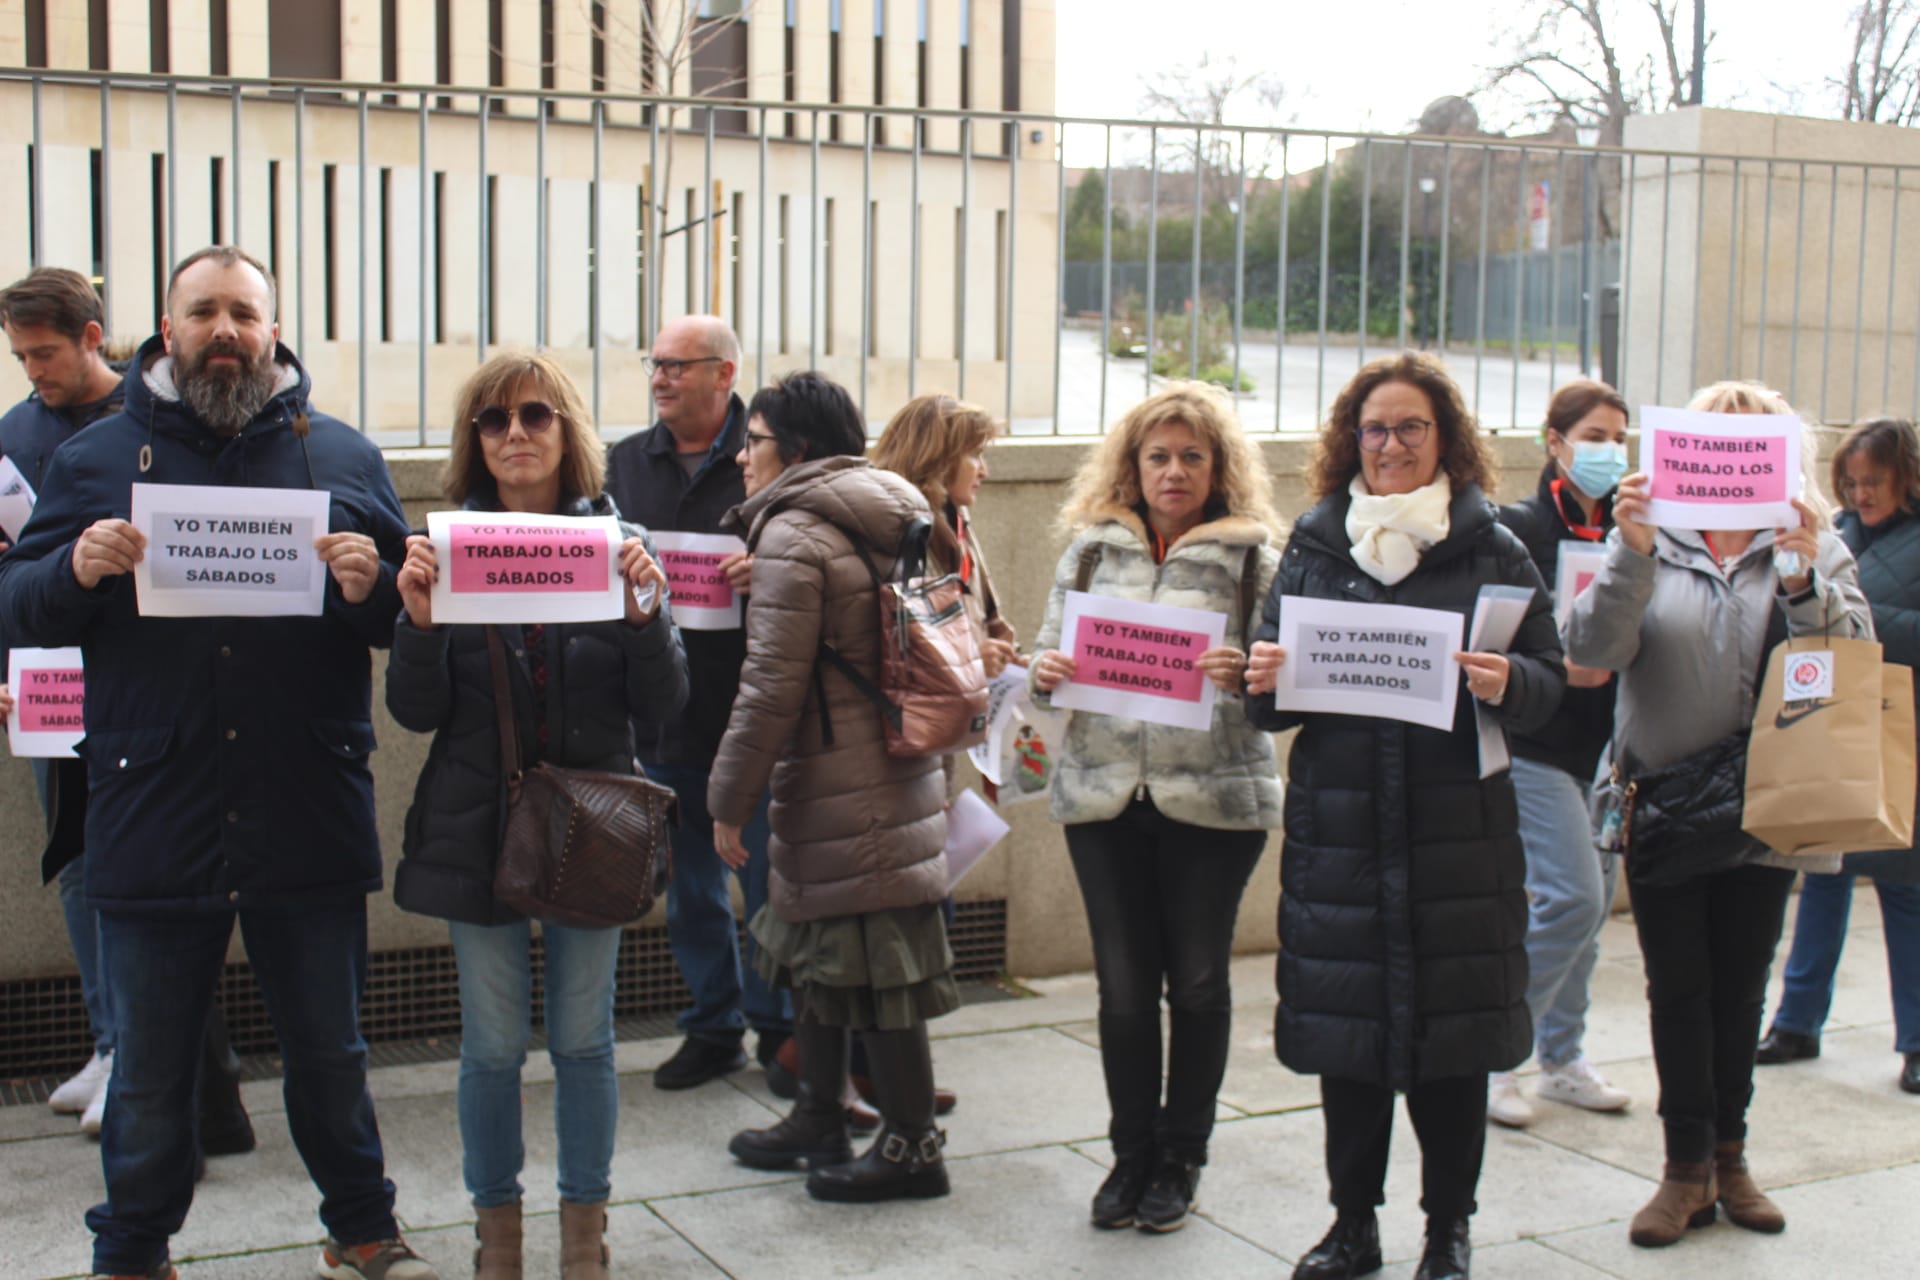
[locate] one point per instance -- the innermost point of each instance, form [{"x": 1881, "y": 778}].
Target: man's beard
[{"x": 226, "y": 399}]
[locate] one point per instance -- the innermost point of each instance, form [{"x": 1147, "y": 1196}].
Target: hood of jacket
[
  {"x": 1111, "y": 522},
  {"x": 850, "y": 493},
  {"x": 153, "y": 399}
]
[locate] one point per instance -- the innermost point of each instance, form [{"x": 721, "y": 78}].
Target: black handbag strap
[{"x": 510, "y": 769}]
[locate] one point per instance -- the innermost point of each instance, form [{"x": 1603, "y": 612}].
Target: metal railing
[{"x": 416, "y": 228}]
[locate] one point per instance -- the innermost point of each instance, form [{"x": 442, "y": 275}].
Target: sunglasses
[{"x": 535, "y": 416}]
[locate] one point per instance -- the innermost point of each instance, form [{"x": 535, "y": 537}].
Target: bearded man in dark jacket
[{"x": 227, "y": 763}]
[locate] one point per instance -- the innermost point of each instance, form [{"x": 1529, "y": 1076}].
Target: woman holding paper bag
[
  {"x": 1876, "y": 473},
  {"x": 1403, "y": 913},
  {"x": 522, "y": 442},
  {"x": 1164, "y": 824},
  {"x": 1570, "y": 885},
  {"x": 1687, "y": 618}
]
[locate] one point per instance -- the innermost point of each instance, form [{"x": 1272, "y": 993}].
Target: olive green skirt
[{"x": 881, "y": 970}]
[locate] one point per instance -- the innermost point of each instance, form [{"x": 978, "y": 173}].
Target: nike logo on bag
[{"x": 1793, "y": 713}]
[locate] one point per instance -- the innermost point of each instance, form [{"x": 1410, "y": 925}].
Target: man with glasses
[{"x": 680, "y": 476}]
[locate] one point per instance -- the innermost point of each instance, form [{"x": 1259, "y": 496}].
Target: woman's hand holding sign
[
  {"x": 1051, "y": 669},
  {"x": 1263, "y": 666},
  {"x": 640, "y": 570},
  {"x": 1486, "y": 675},
  {"x": 354, "y": 562},
  {"x": 417, "y": 575},
  {"x": 6, "y": 704},
  {"x": 1803, "y": 540},
  {"x": 1223, "y": 666},
  {"x": 108, "y": 547},
  {"x": 1630, "y": 513},
  {"x": 739, "y": 570}
]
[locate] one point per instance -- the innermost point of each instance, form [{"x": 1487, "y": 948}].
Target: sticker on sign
[{"x": 1809, "y": 676}]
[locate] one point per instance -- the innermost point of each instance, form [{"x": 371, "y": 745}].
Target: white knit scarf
[{"x": 1390, "y": 531}]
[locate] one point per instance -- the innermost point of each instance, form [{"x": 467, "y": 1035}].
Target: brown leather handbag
[{"x": 580, "y": 847}]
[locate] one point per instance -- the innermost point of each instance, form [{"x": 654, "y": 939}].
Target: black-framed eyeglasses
[
  {"x": 675, "y": 369},
  {"x": 755, "y": 437},
  {"x": 1412, "y": 433},
  {"x": 535, "y": 416}
]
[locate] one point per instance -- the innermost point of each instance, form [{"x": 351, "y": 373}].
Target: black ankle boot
[
  {"x": 1171, "y": 1195},
  {"x": 1351, "y": 1248},
  {"x": 1780, "y": 1045},
  {"x": 1448, "y": 1251},
  {"x": 815, "y": 1131},
  {"x": 904, "y": 1162},
  {"x": 1117, "y": 1200}
]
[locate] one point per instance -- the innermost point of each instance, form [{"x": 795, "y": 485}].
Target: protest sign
[
  {"x": 1497, "y": 616},
  {"x": 1015, "y": 756},
  {"x": 16, "y": 500},
  {"x": 512, "y": 566},
  {"x": 1580, "y": 563},
  {"x": 1386, "y": 660},
  {"x": 973, "y": 828},
  {"x": 1137, "y": 660},
  {"x": 218, "y": 551},
  {"x": 1720, "y": 470},
  {"x": 49, "y": 690},
  {"x": 703, "y": 599}
]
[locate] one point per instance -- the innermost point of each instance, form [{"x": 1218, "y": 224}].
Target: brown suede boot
[
  {"x": 1746, "y": 1204},
  {"x": 1685, "y": 1199},
  {"x": 583, "y": 1248},
  {"x": 498, "y": 1230}
]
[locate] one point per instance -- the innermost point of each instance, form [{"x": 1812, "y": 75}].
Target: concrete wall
[
  {"x": 1807, "y": 278},
  {"x": 1047, "y": 930}
]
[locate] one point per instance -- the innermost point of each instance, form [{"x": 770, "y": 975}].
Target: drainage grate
[{"x": 412, "y": 1003}]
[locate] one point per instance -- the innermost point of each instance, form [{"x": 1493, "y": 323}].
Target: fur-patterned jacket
[{"x": 1225, "y": 777}]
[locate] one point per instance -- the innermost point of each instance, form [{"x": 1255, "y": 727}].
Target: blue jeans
[
  {"x": 1819, "y": 932},
  {"x": 496, "y": 1021},
  {"x": 82, "y": 933},
  {"x": 311, "y": 964},
  {"x": 1570, "y": 887},
  {"x": 728, "y": 994}
]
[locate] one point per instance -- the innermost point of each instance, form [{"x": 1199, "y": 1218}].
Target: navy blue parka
[{"x": 227, "y": 758}]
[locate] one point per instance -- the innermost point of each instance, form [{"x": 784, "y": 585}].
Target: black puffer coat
[
  {"x": 441, "y": 682},
  {"x": 1889, "y": 559},
  {"x": 1403, "y": 915}
]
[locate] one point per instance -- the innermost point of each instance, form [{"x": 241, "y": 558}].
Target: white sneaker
[
  {"x": 1577, "y": 1084},
  {"x": 73, "y": 1097},
  {"x": 1505, "y": 1103},
  {"x": 95, "y": 1114}
]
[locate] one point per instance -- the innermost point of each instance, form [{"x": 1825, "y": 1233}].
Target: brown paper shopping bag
[{"x": 1831, "y": 765}]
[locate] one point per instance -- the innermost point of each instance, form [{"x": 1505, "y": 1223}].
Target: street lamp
[
  {"x": 1426, "y": 248},
  {"x": 1588, "y": 138}
]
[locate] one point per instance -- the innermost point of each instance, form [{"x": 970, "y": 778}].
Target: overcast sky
[{"x": 1374, "y": 64}]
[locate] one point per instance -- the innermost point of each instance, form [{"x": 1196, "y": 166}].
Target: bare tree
[
  {"x": 1882, "y": 79},
  {"x": 1217, "y": 92}
]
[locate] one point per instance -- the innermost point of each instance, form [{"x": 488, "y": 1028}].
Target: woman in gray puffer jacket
[{"x": 1165, "y": 824}]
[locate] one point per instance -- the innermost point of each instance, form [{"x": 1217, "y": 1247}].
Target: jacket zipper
[{"x": 1140, "y": 792}]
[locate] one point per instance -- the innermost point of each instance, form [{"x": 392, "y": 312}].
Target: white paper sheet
[
  {"x": 516, "y": 567},
  {"x": 1720, "y": 470},
  {"x": 16, "y": 500},
  {"x": 1017, "y": 755},
  {"x": 48, "y": 688},
  {"x": 1497, "y": 616},
  {"x": 972, "y": 829},
  {"x": 1579, "y": 564},
  {"x": 1386, "y": 660},
  {"x": 1137, "y": 660},
  {"x": 218, "y": 551},
  {"x": 703, "y": 599}
]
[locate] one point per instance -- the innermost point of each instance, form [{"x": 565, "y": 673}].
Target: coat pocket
[
  {"x": 350, "y": 740},
  {"x": 125, "y": 750}
]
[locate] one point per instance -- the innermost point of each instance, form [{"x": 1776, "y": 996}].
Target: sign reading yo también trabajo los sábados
[{"x": 1720, "y": 470}]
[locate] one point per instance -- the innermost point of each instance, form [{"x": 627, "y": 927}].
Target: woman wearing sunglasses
[
  {"x": 522, "y": 442},
  {"x": 1403, "y": 882}
]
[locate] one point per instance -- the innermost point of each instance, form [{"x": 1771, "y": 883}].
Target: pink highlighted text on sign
[
  {"x": 492, "y": 559},
  {"x": 1138, "y": 660},
  {"x": 703, "y": 598},
  {"x": 1720, "y": 470},
  {"x": 49, "y": 701}
]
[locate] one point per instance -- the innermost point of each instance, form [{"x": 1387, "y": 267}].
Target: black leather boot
[
  {"x": 1448, "y": 1250},
  {"x": 1780, "y": 1045},
  {"x": 815, "y": 1131},
  {"x": 904, "y": 1162},
  {"x": 225, "y": 1128},
  {"x": 1351, "y": 1248}
]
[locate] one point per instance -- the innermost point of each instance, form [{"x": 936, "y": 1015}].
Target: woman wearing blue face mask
[{"x": 1569, "y": 884}]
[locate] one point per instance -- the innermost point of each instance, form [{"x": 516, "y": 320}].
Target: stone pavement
[{"x": 1835, "y": 1138}]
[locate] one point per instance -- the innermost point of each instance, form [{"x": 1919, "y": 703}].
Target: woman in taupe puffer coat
[{"x": 853, "y": 921}]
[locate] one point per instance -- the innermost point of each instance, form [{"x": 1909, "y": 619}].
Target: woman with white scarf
[{"x": 1403, "y": 911}]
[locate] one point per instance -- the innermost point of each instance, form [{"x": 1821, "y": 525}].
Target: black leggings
[
  {"x": 1707, "y": 943},
  {"x": 1161, "y": 899},
  {"x": 1450, "y": 1118}
]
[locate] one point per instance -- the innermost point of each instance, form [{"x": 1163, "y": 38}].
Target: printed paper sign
[
  {"x": 703, "y": 599},
  {"x": 226, "y": 551},
  {"x": 1137, "y": 660},
  {"x": 1497, "y": 616},
  {"x": 1720, "y": 470},
  {"x": 49, "y": 690},
  {"x": 1809, "y": 675},
  {"x": 16, "y": 500},
  {"x": 1014, "y": 756},
  {"x": 1580, "y": 563},
  {"x": 516, "y": 567},
  {"x": 1391, "y": 661}
]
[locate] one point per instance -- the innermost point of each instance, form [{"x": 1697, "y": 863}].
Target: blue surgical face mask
[{"x": 1597, "y": 466}]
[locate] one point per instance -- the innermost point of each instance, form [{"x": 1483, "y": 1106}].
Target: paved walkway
[{"x": 1835, "y": 1137}]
